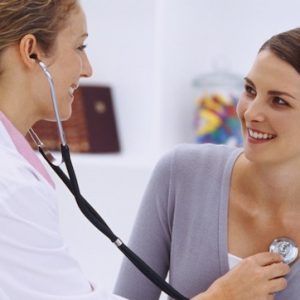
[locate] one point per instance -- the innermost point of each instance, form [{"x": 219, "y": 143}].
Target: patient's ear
[{"x": 29, "y": 50}]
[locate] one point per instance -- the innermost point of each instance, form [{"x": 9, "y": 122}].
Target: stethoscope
[
  {"x": 283, "y": 246},
  {"x": 89, "y": 212}
]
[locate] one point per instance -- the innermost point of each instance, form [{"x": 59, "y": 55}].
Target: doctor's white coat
[{"x": 34, "y": 261}]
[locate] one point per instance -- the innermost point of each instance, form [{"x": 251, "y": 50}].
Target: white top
[
  {"x": 34, "y": 261},
  {"x": 233, "y": 260}
]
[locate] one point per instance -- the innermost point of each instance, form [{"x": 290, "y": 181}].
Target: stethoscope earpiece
[{"x": 33, "y": 56}]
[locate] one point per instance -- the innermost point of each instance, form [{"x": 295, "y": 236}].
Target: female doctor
[{"x": 34, "y": 262}]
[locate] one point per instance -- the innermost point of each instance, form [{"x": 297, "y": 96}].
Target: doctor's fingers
[
  {"x": 264, "y": 258},
  {"x": 277, "y": 285},
  {"x": 276, "y": 270}
]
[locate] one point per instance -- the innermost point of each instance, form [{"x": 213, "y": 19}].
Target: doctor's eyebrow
[{"x": 272, "y": 92}]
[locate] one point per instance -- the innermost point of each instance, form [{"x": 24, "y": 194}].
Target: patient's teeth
[{"x": 259, "y": 135}]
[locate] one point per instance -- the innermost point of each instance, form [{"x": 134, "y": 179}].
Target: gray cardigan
[{"x": 181, "y": 227}]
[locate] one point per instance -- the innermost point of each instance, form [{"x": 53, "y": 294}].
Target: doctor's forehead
[{"x": 76, "y": 26}]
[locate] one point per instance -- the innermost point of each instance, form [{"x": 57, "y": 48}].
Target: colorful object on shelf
[{"x": 216, "y": 120}]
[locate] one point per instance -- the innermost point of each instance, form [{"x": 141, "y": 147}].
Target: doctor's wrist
[{"x": 210, "y": 294}]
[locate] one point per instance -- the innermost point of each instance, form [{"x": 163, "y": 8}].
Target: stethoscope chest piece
[{"x": 286, "y": 248}]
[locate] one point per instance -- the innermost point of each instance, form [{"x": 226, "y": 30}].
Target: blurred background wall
[{"x": 149, "y": 52}]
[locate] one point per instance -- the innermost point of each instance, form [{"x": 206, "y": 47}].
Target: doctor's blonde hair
[{"x": 42, "y": 18}]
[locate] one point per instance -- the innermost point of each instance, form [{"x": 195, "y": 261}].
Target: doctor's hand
[{"x": 255, "y": 277}]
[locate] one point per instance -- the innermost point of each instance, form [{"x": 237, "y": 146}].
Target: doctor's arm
[
  {"x": 256, "y": 277},
  {"x": 35, "y": 263}
]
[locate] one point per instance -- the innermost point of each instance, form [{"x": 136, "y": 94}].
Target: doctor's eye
[
  {"x": 82, "y": 47},
  {"x": 249, "y": 90}
]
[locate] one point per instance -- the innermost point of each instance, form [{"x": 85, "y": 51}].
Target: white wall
[
  {"x": 149, "y": 51},
  {"x": 121, "y": 47},
  {"x": 197, "y": 34}
]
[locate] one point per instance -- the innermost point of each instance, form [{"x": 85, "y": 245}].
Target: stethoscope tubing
[
  {"x": 91, "y": 214},
  {"x": 88, "y": 211}
]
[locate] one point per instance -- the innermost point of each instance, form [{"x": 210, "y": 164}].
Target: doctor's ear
[{"x": 29, "y": 50}]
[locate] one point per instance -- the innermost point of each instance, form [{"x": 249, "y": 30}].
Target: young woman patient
[{"x": 211, "y": 213}]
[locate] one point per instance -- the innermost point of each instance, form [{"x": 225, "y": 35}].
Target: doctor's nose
[{"x": 87, "y": 70}]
